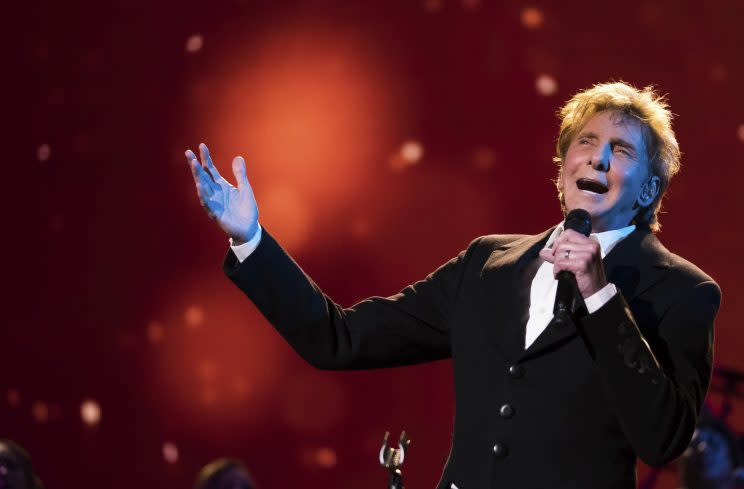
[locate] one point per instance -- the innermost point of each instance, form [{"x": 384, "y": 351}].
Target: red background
[{"x": 112, "y": 272}]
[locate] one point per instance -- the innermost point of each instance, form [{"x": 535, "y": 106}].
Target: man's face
[{"x": 606, "y": 171}]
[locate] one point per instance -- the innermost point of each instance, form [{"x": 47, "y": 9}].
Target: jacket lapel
[
  {"x": 634, "y": 265},
  {"x": 507, "y": 287}
]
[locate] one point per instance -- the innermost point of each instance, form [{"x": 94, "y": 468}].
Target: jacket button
[
  {"x": 500, "y": 450},
  {"x": 506, "y": 411},
  {"x": 516, "y": 371}
]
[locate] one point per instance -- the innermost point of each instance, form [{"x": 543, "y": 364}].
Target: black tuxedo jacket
[{"x": 571, "y": 411}]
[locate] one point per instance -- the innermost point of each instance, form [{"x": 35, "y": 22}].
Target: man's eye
[{"x": 622, "y": 150}]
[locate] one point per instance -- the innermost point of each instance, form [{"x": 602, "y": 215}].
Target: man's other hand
[{"x": 233, "y": 209}]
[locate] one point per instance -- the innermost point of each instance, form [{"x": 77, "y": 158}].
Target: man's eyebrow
[
  {"x": 588, "y": 134},
  {"x": 614, "y": 141}
]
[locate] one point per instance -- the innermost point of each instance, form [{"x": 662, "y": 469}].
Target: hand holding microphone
[{"x": 577, "y": 261}]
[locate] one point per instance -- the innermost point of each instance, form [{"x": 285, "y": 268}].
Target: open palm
[{"x": 233, "y": 209}]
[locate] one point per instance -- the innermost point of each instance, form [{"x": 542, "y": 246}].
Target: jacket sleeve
[
  {"x": 657, "y": 403},
  {"x": 406, "y": 328}
]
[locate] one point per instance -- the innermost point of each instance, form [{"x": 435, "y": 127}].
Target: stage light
[
  {"x": 40, "y": 411},
  {"x": 325, "y": 457},
  {"x": 546, "y": 85},
  {"x": 194, "y": 316},
  {"x": 412, "y": 151},
  {"x": 155, "y": 332},
  {"x": 471, "y": 4},
  {"x": 483, "y": 159},
  {"x": 433, "y": 5},
  {"x": 13, "y": 397},
  {"x": 43, "y": 152},
  {"x": 90, "y": 412},
  {"x": 409, "y": 154},
  {"x": 170, "y": 452},
  {"x": 740, "y": 132},
  {"x": 532, "y": 18},
  {"x": 194, "y": 43}
]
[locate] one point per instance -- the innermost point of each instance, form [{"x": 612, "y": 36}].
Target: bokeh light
[
  {"x": 90, "y": 412},
  {"x": 193, "y": 316},
  {"x": 40, "y": 411},
  {"x": 13, "y": 397},
  {"x": 532, "y": 18},
  {"x": 156, "y": 331},
  {"x": 170, "y": 452},
  {"x": 546, "y": 85},
  {"x": 43, "y": 152},
  {"x": 194, "y": 43}
]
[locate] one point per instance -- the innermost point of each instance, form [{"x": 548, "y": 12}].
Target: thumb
[{"x": 238, "y": 168}]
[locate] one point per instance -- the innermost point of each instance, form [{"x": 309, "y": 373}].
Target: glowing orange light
[
  {"x": 546, "y": 85},
  {"x": 40, "y": 411},
  {"x": 194, "y": 43},
  {"x": 155, "y": 331},
  {"x": 90, "y": 412},
  {"x": 13, "y": 397},
  {"x": 433, "y": 5},
  {"x": 532, "y": 18},
  {"x": 740, "y": 132},
  {"x": 484, "y": 159},
  {"x": 471, "y": 4},
  {"x": 207, "y": 370},
  {"x": 170, "y": 452},
  {"x": 194, "y": 316},
  {"x": 409, "y": 154},
  {"x": 360, "y": 227},
  {"x": 289, "y": 214},
  {"x": 325, "y": 457},
  {"x": 43, "y": 152}
]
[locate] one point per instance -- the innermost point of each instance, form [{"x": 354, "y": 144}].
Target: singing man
[{"x": 539, "y": 403}]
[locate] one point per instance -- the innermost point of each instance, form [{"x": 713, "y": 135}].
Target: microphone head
[{"x": 580, "y": 221}]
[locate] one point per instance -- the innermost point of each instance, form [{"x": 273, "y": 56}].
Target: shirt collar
[{"x": 607, "y": 239}]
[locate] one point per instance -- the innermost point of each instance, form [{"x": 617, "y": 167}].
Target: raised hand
[{"x": 233, "y": 209}]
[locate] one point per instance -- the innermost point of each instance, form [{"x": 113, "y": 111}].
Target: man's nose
[{"x": 601, "y": 158}]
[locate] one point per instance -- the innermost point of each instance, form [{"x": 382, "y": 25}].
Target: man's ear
[{"x": 649, "y": 191}]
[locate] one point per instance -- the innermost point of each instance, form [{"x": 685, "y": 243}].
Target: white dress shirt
[{"x": 542, "y": 289}]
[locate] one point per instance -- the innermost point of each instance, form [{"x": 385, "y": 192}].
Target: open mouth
[{"x": 591, "y": 186}]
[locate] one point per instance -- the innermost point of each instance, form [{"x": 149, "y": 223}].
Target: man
[{"x": 538, "y": 404}]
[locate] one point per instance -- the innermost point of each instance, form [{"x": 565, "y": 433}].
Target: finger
[
  {"x": 238, "y": 168},
  {"x": 190, "y": 155},
  {"x": 201, "y": 177},
  {"x": 547, "y": 255},
  {"x": 571, "y": 236},
  {"x": 207, "y": 162}
]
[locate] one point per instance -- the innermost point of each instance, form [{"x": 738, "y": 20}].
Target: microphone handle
[{"x": 564, "y": 296}]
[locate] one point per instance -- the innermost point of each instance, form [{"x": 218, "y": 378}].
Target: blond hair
[{"x": 644, "y": 106}]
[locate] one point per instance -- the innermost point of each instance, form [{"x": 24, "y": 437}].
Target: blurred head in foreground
[
  {"x": 16, "y": 471},
  {"x": 713, "y": 459},
  {"x": 224, "y": 473}
]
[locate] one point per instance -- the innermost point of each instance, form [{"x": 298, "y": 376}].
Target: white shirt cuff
[
  {"x": 244, "y": 250},
  {"x": 600, "y": 297}
]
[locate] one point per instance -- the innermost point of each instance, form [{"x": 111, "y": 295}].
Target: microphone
[{"x": 580, "y": 221}]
